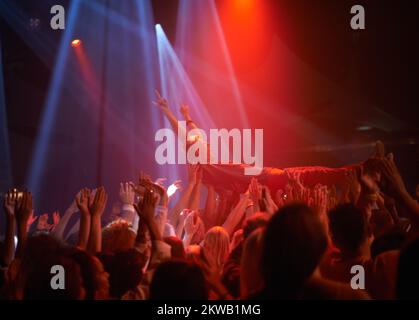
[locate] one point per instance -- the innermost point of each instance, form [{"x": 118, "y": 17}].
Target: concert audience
[{"x": 301, "y": 243}]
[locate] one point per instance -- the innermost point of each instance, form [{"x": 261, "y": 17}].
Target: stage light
[
  {"x": 76, "y": 43},
  {"x": 49, "y": 112}
]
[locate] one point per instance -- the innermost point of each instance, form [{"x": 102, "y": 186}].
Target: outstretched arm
[
  {"x": 164, "y": 106},
  {"x": 185, "y": 196},
  {"x": 184, "y": 109},
  {"x": 58, "y": 230},
  {"x": 236, "y": 214}
]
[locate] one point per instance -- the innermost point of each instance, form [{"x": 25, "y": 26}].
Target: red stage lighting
[
  {"x": 76, "y": 43},
  {"x": 244, "y": 4}
]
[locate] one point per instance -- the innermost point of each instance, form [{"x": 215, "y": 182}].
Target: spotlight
[
  {"x": 364, "y": 128},
  {"x": 76, "y": 43}
]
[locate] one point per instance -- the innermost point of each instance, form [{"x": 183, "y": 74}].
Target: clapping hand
[
  {"x": 82, "y": 201},
  {"x": 98, "y": 204},
  {"x": 145, "y": 209}
]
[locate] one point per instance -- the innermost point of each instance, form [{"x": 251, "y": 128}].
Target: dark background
[{"x": 377, "y": 68}]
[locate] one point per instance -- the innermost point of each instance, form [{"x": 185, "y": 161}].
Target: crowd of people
[{"x": 300, "y": 242}]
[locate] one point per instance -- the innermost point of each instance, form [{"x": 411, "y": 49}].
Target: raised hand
[
  {"x": 23, "y": 208},
  {"x": 82, "y": 201},
  {"x": 392, "y": 174},
  {"x": 270, "y": 205},
  {"x": 174, "y": 187},
  {"x": 10, "y": 201},
  {"x": 55, "y": 218},
  {"x": 43, "y": 223},
  {"x": 31, "y": 220},
  {"x": 255, "y": 190},
  {"x": 184, "y": 110},
  {"x": 146, "y": 212},
  {"x": 297, "y": 189},
  {"x": 126, "y": 193},
  {"x": 99, "y": 202},
  {"x": 145, "y": 209},
  {"x": 161, "y": 102},
  {"x": 352, "y": 188},
  {"x": 159, "y": 191},
  {"x": 191, "y": 223}
]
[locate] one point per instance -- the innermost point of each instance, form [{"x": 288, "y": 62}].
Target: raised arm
[
  {"x": 184, "y": 110},
  {"x": 96, "y": 210},
  {"x": 185, "y": 196},
  {"x": 236, "y": 214},
  {"x": 127, "y": 198},
  {"x": 196, "y": 192},
  {"x": 82, "y": 202},
  {"x": 397, "y": 186},
  {"x": 164, "y": 106},
  {"x": 58, "y": 231},
  {"x": 191, "y": 226},
  {"x": 9, "y": 208},
  {"x": 23, "y": 211}
]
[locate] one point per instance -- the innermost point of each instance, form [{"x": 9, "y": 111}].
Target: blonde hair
[
  {"x": 117, "y": 236},
  {"x": 217, "y": 244}
]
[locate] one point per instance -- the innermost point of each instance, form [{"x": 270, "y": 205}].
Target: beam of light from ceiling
[
  {"x": 50, "y": 107},
  {"x": 149, "y": 55},
  {"x": 200, "y": 34},
  {"x": 176, "y": 85}
]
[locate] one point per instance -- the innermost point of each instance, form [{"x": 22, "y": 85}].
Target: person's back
[
  {"x": 292, "y": 246},
  {"x": 351, "y": 235},
  {"x": 178, "y": 279}
]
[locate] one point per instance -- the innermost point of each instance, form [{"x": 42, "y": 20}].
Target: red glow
[
  {"x": 244, "y": 4},
  {"x": 246, "y": 27},
  {"x": 76, "y": 43},
  {"x": 88, "y": 74}
]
